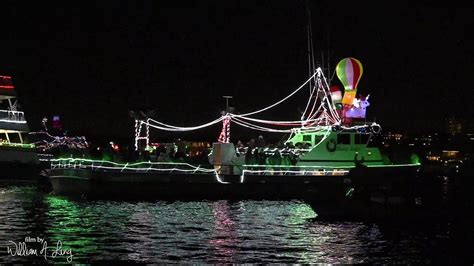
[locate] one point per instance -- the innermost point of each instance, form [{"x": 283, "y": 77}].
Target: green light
[
  {"x": 19, "y": 145},
  {"x": 414, "y": 158},
  {"x": 393, "y": 165},
  {"x": 73, "y": 225},
  {"x": 350, "y": 192}
]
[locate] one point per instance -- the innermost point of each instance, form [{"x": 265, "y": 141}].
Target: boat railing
[
  {"x": 295, "y": 170},
  {"x": 138, "y": 167},
  {"x": 12, "y": 115},
  {"x": 272, "y": 151}
]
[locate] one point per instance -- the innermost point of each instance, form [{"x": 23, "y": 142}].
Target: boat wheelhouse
[
  {"x": 14, "y": 146},
  {"x": 339, "y": 148}
]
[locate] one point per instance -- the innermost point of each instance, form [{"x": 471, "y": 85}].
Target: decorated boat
[
  {"x": 328, "y": 157},
  {"x": 18, "y": 158}
]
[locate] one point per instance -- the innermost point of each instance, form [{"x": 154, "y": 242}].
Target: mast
[{"x": 310, "y": 44}]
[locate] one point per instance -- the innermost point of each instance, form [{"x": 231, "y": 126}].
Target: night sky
[{"x": 93, "y": 62}]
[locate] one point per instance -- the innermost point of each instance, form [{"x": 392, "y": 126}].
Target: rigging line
[
  {"x": 310, "y": 40},
  {"x": 325, "y": 99},
  {"x": 311, "y": 64},
  {"x": 330, "y": 102},
  {"x": 277, "y": 103},
  {"x": 269, "y": 121},
  {"x": 261, "y": 128},
  {"x": 324, "y": 137},
  {"x": 184, "y": 128},
  {"x": 256, "y": 127},
  {"x": 320, "y": 87},
  {"x": 310, "y": 115},
  {"x": 307, "y": 104},
  {"x": 310, "y": 70},
  {"x": 332, "y": 77},
  {"x": 172, "y": 128},
  {"x": 273, "y": 122}
]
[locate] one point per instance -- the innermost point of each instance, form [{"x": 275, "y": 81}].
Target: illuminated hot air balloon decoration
[{"x": 349, "y": 71}]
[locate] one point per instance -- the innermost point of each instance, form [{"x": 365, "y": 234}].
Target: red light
[{"x": 6, "y": 82}]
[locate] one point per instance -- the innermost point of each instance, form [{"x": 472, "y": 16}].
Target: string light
[
  {"x": 75, "y": 163},
  {"x": 138, "y": 134},
  {"x": 12, "y": 121},
  {"x": 57, "y": 141},
  {"x": 308, "y": 172},
  {"x": 284, "y": 99},
  {"x": 163, "y": 126},
  {"x": 316, "y": 118},
  {"x": 224, "y": 137},
  {"x": 62, "y": 162}
]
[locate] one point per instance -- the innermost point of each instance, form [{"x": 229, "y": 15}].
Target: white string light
[
  {"x": 75, "y": 163},
  {"x": 70, "y": 142},
  {"x": 260, "y": 128},
  {"x": 282, "y": 100},
  {"x": 167, "y": 127}
]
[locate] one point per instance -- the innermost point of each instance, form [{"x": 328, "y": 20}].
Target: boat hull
[
  {"x": 96, "y": 184},
  {"x": 116, "y": 185},
  {"x": 376, "y": 193}
]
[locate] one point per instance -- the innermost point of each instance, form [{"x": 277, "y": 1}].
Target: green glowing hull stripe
[{"x": 309, "y": 160}]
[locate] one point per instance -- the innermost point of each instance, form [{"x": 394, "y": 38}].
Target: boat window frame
[
  {"x": 4, "y": 137},
  {"x": 305, "y": 138},
  {"x": 343, "y": 139},
  {"x": 16, "y": 138},
  {"x": 358, "y": 139}
]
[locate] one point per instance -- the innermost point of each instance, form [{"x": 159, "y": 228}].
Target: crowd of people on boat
[{"x": 256, "y": 151}]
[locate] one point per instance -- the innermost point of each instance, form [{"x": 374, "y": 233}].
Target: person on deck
[{"x": 260, "y": 142}]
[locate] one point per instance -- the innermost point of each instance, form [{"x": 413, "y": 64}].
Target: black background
[{"x": 93, "y": 62}]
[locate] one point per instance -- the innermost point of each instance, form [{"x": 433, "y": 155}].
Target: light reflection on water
[{"x": 214, "y": 232}]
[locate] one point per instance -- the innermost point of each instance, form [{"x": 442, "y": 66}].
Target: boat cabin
[
  {"x": 13, "y": 126},
  {"x": 335, "y": 148}
]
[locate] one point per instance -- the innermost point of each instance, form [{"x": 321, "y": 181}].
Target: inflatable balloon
[
  {"x": 349, "y": 71},
  {"x": 349, "y": 97}
]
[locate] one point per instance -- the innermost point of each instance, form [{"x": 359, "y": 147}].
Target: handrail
[{"x": 12, "y": 115}]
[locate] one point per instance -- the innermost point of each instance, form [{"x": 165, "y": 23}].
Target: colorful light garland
[
  {"x": 224, "y": 137},
  {"x": 79, "y": 142}
]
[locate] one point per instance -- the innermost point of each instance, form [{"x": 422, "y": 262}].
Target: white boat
[{"x": 18, "y": 158}]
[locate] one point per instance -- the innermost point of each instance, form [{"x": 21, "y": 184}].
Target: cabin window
[
  {"x": 362, "y": 138},
  {"x": 14, "y": 138},
  {"x": 307, "y": 138},
  {"x": 344, "y": 139},
  {"x": 3, "y": 138},
  {"x": 317, "y": 139},
  {"x": 24, "y": 137}
]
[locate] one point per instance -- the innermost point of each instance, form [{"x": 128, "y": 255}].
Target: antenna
[
  {"x": 329, "y": 61},
  {"x": 227, "y": 102},
  {"x": 310, "y": 44}
]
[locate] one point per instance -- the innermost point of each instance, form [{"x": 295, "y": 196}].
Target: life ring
[
  {"x": 376, "y": 128},
  {"x": 331, "y": 145}
]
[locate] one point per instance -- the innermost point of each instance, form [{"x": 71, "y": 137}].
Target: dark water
[{"x": 217, "y": 232}]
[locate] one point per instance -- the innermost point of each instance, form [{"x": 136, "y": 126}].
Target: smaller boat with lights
[
  {"x": 328, "y": 157},
  {"x": 18, "y": 159}
]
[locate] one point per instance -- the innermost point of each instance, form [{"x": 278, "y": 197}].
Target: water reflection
[
  {"x": 224, "y": 238},
  {"x": 217, "y": 232}
]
